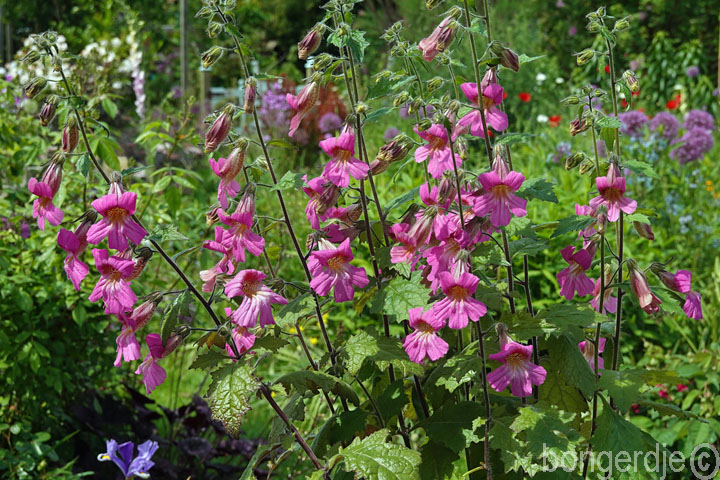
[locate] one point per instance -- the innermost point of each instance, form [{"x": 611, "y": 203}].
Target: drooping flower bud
[
  {"x": 378, "y": 166},
  {"x": 211, "y": 56},
  {"x": 250, "y": 92},
  {"x": 585, "y": 56},
  {"x": 395, "y": 150},
  {"x": 578, "y": 125},
  {"x": 219, "y": 129},
  {"x": 322, "y": 61},
  {"x": 52, "y": 176},
  {"x": 586, "y": 166},
  {"x": 31, "y": 57},
  {"x": 622, "y": 24},
  {"x": 214, "y": 29},
  {"x": 142, "y": 257},
  {"x": 571, "y": 100},
  {"x": 594, "y": 27},
  {"x": 631, "y": 81},
  {"x": 34, "y": 86},
  {"x": 401, "y": 98},
  {"x": 602, "y": 219},
  {"x": 409, "y": 218},
  {"x": 641, "y": 289},
  {"x": 303, "y": 103},
  {"x": 142, "y": 314},
  {"x": 212, "y": 217},
  {"x": 310, "y": 43},
  {"x": 424, "y": 124},
  {"x": 461, "y": 148},
  {"x": 71, "y": 135},
  {"x": 430, "y": 4},
  {"x": 447, "y": 190},
  {"x": 644, "y": 230},
  {"x": 574, "y": 160},
  {"x": 48, "y": 110},
  {"x": 508, "y": 58},
  {"x": 173, "y": 342},
  {"x": 446, "y": 37}
]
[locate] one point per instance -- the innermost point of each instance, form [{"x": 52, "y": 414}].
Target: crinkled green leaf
[
  {"x": 625, "y": 386},
  {"x": 374, "y": 457},
  {"x": 229, "y": 395},
  {"x": 290, "y": 181},
  {"x": 340, "y": 428},
  {"x": 538, "y": 188},
  {"x": 304, "y": 380},
  {"x": 165, "y": 233},
  {"x": 399, "y": 296},
  {"x": 572, "y": 224},
  {"x": 380, "y": 350},
  {"x": 208, "y": 359},
  {"x": 446, "y": 425},
  {"x": 297, "y": 308}
]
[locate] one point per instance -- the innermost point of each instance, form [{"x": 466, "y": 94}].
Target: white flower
[
  {"x": 540, "y": 77},
  {"x": 117, "y": 85},
  {"x": 559, "y": 80},
  {"x": 116, "y": 42},
  {"x": 542, "y": 118},
  {"x": 678, "y": 87}
]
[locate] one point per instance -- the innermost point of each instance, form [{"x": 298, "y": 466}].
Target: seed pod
[
  {"x": 142, "y": 257},
  {"x": 211, "y": 56},
  {"x": 34, "y": 86}
]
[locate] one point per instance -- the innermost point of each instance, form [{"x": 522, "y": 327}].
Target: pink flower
[
  {"x": 302, "y": 104},
  {"x": 407, "y": 251},
  {"x": 117, "y": 223},
  {"x": 424, "y": 341},
  {"x": 323, "y": 195},
  {"x": 152, "y": 373},
  {"x": 609, "y": 302},
  {"x": 499, "y": 200},
  {"x": 113, "y": 286},
  {"x": 219, "y": 129},
  {"x": 443, "y": 258},
  {"x": 258, "y": 299},
  {"x": 331, "y": 267},
  {"x": 437, "y": 150},
  {"x": 128, "y": 348},
  {"x": 45, "y": 189},
  {"x": 438, "y": 40},
  {"x": 516, "y": 370},
  {"x": 343, "y": 164},
  {"x": 74, "y": 243},
  {"x": 588, "y": 350},
  {"x": 244, "y": 340},
  {"x": 240, "y": 235},
  {"x": 224, "y": 266},
  {"x": 693, "y": 306},
  {"x": 640, "y": 287},
  {"x": 458, "y": 306},
  {"x": 681, "y": 281},
  {"x": 496, "y": 118},
  {"x": 573, "y": 278},
  {"x": 227, "y": 169},
  {"x": 612, "y": 194}
]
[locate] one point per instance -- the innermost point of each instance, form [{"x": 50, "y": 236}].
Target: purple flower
[
  {"x": 563, "y": 150},
  {"x": 24, "y": 229},
  {"x": 329, "y": 122},
  {"x": 633, "y": 123},
  {"x": 573, "y": 31},
  {"x": 699, "y": 119},
  {"x": 695, "y": 143},
  {"x": 421, "y": 111},
  {"x": 122, "y": 456},
  {"x": 692, "y": 71},
  {"x": 667, "y": 123},
  {"x": 602, "y": 148},
  {"x": 274, "y": 110},
  {"x": 391, "y": 133},
  {"x": 635, "y": 65}
]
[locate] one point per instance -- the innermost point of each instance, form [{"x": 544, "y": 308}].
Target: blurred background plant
[{"x": 60, "y": 395}]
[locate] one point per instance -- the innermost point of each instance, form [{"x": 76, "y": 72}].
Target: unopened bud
[
  {"x": 361, "y": 108},
  {"x": 142, "y": 257},
  {"x": 578, "y": 125},
  {"x": 142, "y": 314},
  {"x": 644, "y": 230},
  {"x": 631, "y": 81},
  {"x": 430, "y": 4},
  {"x": 409, "y": 217},
  {"x": 574, "y": 160},
  {"x": 173, "y": 342},
  {"x": 400, "y": 99},
  {"x": 600, "y": 12},
  {"x": 211, "y": 56},
  {"x": 34, "y": 86},
  {"x": 594, "y": 27},
  {"x": 446, "y": 37},
  {"x": 322, "y": 61},
  {"x": 31, "y": 57},
  {"x": 71, "y": 135},
  {"x": 602, "y": 219},
  {"x": 214, "y": 29},
  {"x": 219, "y": 129},
  {"x": 395, "y": 150},
  {"x": 310, "y": 43},
  {"x": 622, "y": 24},
  {"x": 48, "y": 110},
  {"x": 250, "y": 92},
  {"x": 503, "y": 334},
  {"x": 586, "y": 166},
  {"x": 415, "y": 106},
  {"x": 378, "y": 166},
  {"x": 447, "y": 190},
  {"x": 571, "y": 100},
  {"x": 585, "y": 56},
  {"x": 424, "y": 125},
  {"x": 455, "y": 12},
  {"x": 434, "y": 83}
]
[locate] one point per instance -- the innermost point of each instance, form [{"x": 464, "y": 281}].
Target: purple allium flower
[
  {"x": 122, "y": 456},
  {"x": 573, "y": 31},
  {"x": 329, "y": 122},
  {"x": 699, "y": 119},
  {"x": 274, "y": 110},
  {"x": 563, "y": 150},
  {"x": 391, "y": 133},
  {"x": 667, "y": 123},
  {"x": 602, "y": 148},
  {"x": 692, "y": 71},
  {"x": 695, "y": 143},
  {"x": 176, "y": 91},
  {"x": 633, "y": 123}
]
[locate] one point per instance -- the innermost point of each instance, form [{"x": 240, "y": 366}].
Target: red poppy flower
[
  {"x": 674, "y": 103},
  {"x": 524, "y": 96},
  {"x": 554, "y": 121},
  {"x": 504, "y": 94},
  {"x": 607, "y": 68}
]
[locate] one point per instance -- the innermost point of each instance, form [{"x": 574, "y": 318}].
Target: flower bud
[
  {"x": 214, "y": 29},
  {"x": 586, "y": 166},
  {"x": 31, "y": 57},
  {"x": 434, "y": 83},
  {"x": 585, "y": 56},
  {"x": 461, "y": 148},
  {"x": 48, "y": 110},
  {"x": 361, "y": 108},
  {"x": 622, "y": 24},
  {"x": 424, "y": 124},
  {"x": 400, "y": 99},
  {"x": 415, "y": 106},
  {"x": 34, "y": 86},
  {"x": 430, "y": 4},
  {"x": 378, "y": 166},
  {"x": 352, "y": 213},
  {"x": 571, "y": 100},
  {"x": 594, "y": 27},
  {"x": 52, "y": 176},
  {"x": 71, "y": 135},
  {"x": 455, "y": 12},
  {"x": 219, "y": 129},
  {"x": 644, "y": 230},
  {"x": 322, "y": 61},
  {"x": 250, "y": 92},
  {"x": 211, "y": 56},
  {"x": 212, "y": 217},
  {"x": 395, "y": 150},
  {"x": 446, "y": 37},
  {"x": 142, "y": 314},
  {"x": 447, "y": 190},
  {"x": 631, "y": 81},
  {"x": 574, "y": 160},
  {"x": 508, "y": 58},
  {"x": 641, "y": 289},
  {"x": 578, "y": 125},
  {"x": 173, "y": 342},
  {"x": 602, "y": 219},
  {"x": 409, "y": 217},
  {"x": 327, "y": 198},
  {"x": 310, "y": 43},
  {"x": 600, "y": 12},
  {"x": 142, "y": 257}
]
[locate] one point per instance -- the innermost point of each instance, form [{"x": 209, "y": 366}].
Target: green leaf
[
  {"x": 572, "y": 224},
  {"x": 340, "y": 428},
  {"x": 106, "y": 150},
  {"x": 437, "y": 461},
  {"x": 304, "y": 380},
  {"x": 405, "y": 197},
  {"x": 608, "y": 136},
  {"x": 229, "y": 395},
  {"x": 399, "y": 296},
  {"x": 381, "y": 350},
  {"x": 289, "y": 181},
  {"x": 604, "y": 121},
  {"x": 374, "y": 457},
  {"x": 573, "y": 365},
  {"x": 670, "y": 302},
  {"x": 522, "y": 58},
  {"x": 643, "y": 168},
  {"x": 547, "y": 431},
  {"x": 624, "y": 386},
  {"x": 130, "y": 171},
  {"x": 376, "y": 115},
  {"x": 281, "y": 143},
  {"x": 357, "y": 44},
  {"x": 446, "y": 425},
  {"x": 514, "y": 138},
  {"x": 526, "y": 246},
  {"x": 297, "y": 308},
  {"x": 83, "y": 165},
  {"x": 270, "y": 343},
  {"x": 554, "y": 320},
  {"x": 109, "y": 107},
  {"x": 262, "y": 450},
  {"x": 668, "y": 409},
  {"x": 179, "y": 306},
  {"x": 165, "y": 233},
  {"x": 208, "y": 359},
  {"x": 392, "y": 401},
  {"x": 538, "y": 188},
  {"x": 637, "y": 217}
]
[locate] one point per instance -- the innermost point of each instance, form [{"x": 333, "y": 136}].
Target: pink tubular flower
[
  {"x": 117, "y": 223},
  {"x": 244, "y": 340},
  {"x": 45, "y": 189},
  {"x": 609, "y": 302},
  {"x": 343, "y": 164},
  {"x": 681, "y": 282},
  {"x": 494, "y": 117},
  {"x": 302, "y": 104},
  {"x": 240, "y": 235},
  {"x": 407, "y": 251},
  {"x": 331, "y": 267},
  {"x": 74, "y": 243},
  {"x": 640, "y": 287},
  {"x": 128, "y": 348},
  {"x": 499, "y": 200},
  {"x": 323, "y": 195},
  {"x": 458, "y": 306},
  {"x": 224, "y": 266},
  {"x": 612, "y": 194},
  {"x": 516, "y": 370},
  {"x": 258, "y": 299},
  {"x": 573, "y": 278},
  {"x": 438, "y": 40},
  {"x": 424, "y": 341},
  {"x": 113, "y": 286},
  {"x": 227, "y": 169},
  {"x": 152, "y": 373},
  {"x": 693, "y": 306},
  {"x": 437, "y": 150},
  {"x": 588, "y": 350}
]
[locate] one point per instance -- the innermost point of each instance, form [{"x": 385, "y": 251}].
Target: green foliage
[
  {"x": 229, "y": 395},
  {"x": 375, "y": 457},
  {"x": 304, "y": 380}
]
